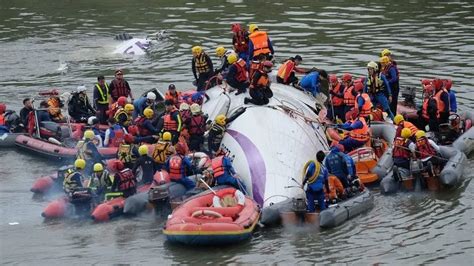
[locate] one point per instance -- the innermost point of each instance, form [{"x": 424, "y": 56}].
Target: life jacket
[
  {"x": 31, "y": 123},
  {"x": 424, "y": 148},
  {"x": 386, "y": 70},
  {"x": 263, "y": 81},
  {"x": 105, "y": 180},
  {"x": 81, "y": 147},
  {"x": 361, "y": 134},
  {"x": 113, "y": 109},
  {"x": 405, "y": 124},
  {"x": 400, "y": 148},
  {"x": 54, "y": 109},
  {"x": 375, "y": 87},
  {"x": 161, "y": 152},
  {"x": 240, "y": 42},
  {"x": 200, "y": 63},
  {"x": 176, "y": 170},
  {"x": 367, "y": 107},
  {"x": 285, "y": 70},
  {"x": 220, "y": 133},
  {"x": 197, "y": 125},
  {"x": 349, "y": 98},
  {"x": 103, "y": 96},
  {"x": 118, "y": 135},
  {"x": 440, "y": 105},
  {"x": 337, "y": 101},
  {"x": 260, "y": 43},
  {"x": 173, "y": 98},
  {"x": 428, "y": 103},
  {"x": 242, "y": 74},
  {"x": 217, "y": 165},
  {"x": 255, "y": 66},
  {"x": 2, "y": 119},
  {"x": 69, "y": 183},
  {"x": 126, "y": 180},
  {"x": 141, "y": 129},
  {"x": 120, "y": 89},
  {"x": 124, "y": 153},
  {"x": 121, "y": 111},
  {"x": 169, "y": 123}
]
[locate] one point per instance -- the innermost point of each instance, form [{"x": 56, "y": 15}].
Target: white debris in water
[{"x": 14, "y": 223}]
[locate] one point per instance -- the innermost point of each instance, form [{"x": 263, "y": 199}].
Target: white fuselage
[{"x": 135, "y": 46}]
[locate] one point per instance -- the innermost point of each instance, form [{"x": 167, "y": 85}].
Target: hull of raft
[{"x": 7, "y": 140}]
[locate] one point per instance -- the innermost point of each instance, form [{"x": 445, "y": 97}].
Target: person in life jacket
[
  {"x": 101, "y": 98},
  {"x": 142, "y": 103},
  {"x": 400, "y": 122},
  {"x": 146, "y": 163},
  {"x": 128, "y": 151},
  {"x": 202, "y": 67},
  {"x": 87, "y": 150},
  {"x": 114, "y": 107},
  {"x": 378, "y": 88},
  {"x": 390, "y": 71},
  {"x": 453, "y": 105},
  {"x": 114, "y": 134},
  {"x": 196, "y": 125},
  {"x": 287, "y": 71},
  {"x": 223, "y": 54},
  {"x": 93, "y": 124},
  {"x": 260, "y": 87},
  {"x": 162, "y": 150},
  {"x": 240, "y": 41},
  {"x": 172, "y": 121},
  {"x": 341, "y": 165},
  {"x": 101, "y": 180},
  {"x": 73, "y": 178},
  {"x": 184, "y": 112},
  {"x": 350, "y": 96},
  {"x": 25, "y": 111},
  {"x": 357, "y": 136},
  {"x": 259, "y": 44},
  {"x": 238, "y": 75},
  {"x": 55, "y": 104},
  {"x": 442, "y": 102},
  {"x": 125, "y": 183},
  {"x": 223, "y": 171},
  {"x": 363, "y": 104},
  {"x": 337, "y": 99},
  {"x": 403, "y": 148},
  {"x": 315, "y": 175},
  {"x": 173, "y": 95},
  {"x": 79, "y": 106},
  {"x": 119, "y": 87},
  {"x": 145, "y": 124},
  {"x": 179, "y": 167},
  {"x": 429, "y": 109},
  {"x": 349, "y": 93},
  {"x": 427, "y": 150},
  {"x": 333, "y": 189},
  {"x": 3, "y": 124},
  {"x": 216, "y": 133},
  {"x": 123, "y": 116},
  {"x": 312, "y": 81}
]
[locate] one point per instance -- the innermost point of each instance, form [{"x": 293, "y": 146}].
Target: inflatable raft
[
  {"x": 226, "y": 217},
  {"x": 7, "y": 140},
  {"x": 410, "y": 179}
]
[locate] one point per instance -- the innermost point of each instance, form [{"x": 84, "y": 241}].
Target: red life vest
[
  {"x": 175, "y": 167},
  {"x": 424, "y": 109},
  {"x": 263, "y": 81},
  {"x": 120, "y": 89},
  {"x": 285, "y": 70},
  {"x": 424, "y": 148},
  {"x": 197, "y": 126},
  {"x": 361, "y": 134},
  {"x": 174, "y": 98},
  {"x": 141, "y": 129},
  {"x": 218, "y": 166},
  {"x": 337, "y": 101},
  {"x": 240, "y": 42},
  {"x": 31, "y": 123},
  {"x": 400, "y": 148},
  {"x": 169, "y": 123},
  {"x": 260, "y": 43},
  {"x": 367, "y": 107},
  {"x": 2, "y": 119},
  {"x": 242, "y": 74},
  {"x": 117, "y": 139},
  {"x": 126, "y": 180},
  {"x": 349, "y": 98}
]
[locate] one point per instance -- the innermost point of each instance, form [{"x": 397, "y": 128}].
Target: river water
[{"x": 429, "y": 38}]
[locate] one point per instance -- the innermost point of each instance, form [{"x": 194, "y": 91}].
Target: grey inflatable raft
[
  {"x": 7, "y": 140},
  {"x": 465, "y": 142},
  {"x": 449, "y": 176},
  {"x": 386, "y": 131}
]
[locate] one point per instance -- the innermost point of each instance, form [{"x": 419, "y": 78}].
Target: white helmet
[
  {"x": 92, "y": 120},
  {"x": 81, "y": 88},
  {"x": 151, "y": 96},
  {"x": 183, "y": 106},
  {"x": 195, "y": 108}
]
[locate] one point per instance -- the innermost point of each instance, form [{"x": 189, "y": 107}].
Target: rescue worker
[
  {"x": 3, "y": 124},
  {"x": 196, "y": 126},
  {"x": 224, "y": 173},
  {"x": 453, "y": 105},
  {"x": 120, "y": 103},
  {"x": 341, "y": 165},
  {"x": 357, "y": 136},
  {"x": 287, "y": 71},
  {"x": 125, "y": 183},
  {"x": 101, "y": 181},
  {"x": 363, "y": 104},
  {"x": 337, "y": 99},
  {"x": 238, "y": 75},
  {"x": 349, "y": 93},
  {"x": 240, "y": 40},
  {"x": 25, "y": 111},
  {"x": 172, "y": 121},
  {"x": 378, "y": 88},
  {"x": 403, "y": 148},
  {"x": 428, "y": 151},
  {"x": 184, "y": 112},
  {"x": 145, "y": 124},
  {"x": 390, "y": 71},
  {"x": 114, "y": 134},
  {"x": 101, "y": 96},
  {"x": 163, "y": 149},
  {"x": 259, "y": 43},
  {"x": 202, "y": 67},
  {"x": 79, "y": 106},
  {"x": 74, "y": 177},
  {"x": 87, "y": 150},
  {"x": 333, "y": 188},
  {"x": 256, "y": 65},
  {"x": 442, "y": 102},
  {"x": 147, "y": 165},
  {"x": 179, "y": 167},
  {"x": 127, "y": 151},
  {"x": 54, "y": 108},
  {"x": 312, "y": 81},
  {"x": 428, "y": 112},
  {"x": 260, "y": 87},
  {"x": 223, "y": 54},
  {"x": 400, "y": 122},
  {"x": 142, "y": 103},
  {"x": 216, "y": 133},
  {"x": 93, "y": 124},
  {"x": 173, "y": 95},
  {"x": 123, "y": 116},
  {"x": 119, "y": 87},
  {"x": 316, "y": 176}
]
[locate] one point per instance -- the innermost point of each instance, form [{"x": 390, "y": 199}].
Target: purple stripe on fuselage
[{"x": 256, "y": 164}]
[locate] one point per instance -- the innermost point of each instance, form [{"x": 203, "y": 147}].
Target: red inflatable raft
[{"x": 212, "y": 219}]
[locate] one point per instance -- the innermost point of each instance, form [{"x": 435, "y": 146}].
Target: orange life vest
[
  {"x": 337, "y": 101},
  {"x": 349, "y": 98},
  {"x": 405, "y": 124},
  {"x": 424, "y": 148},
  {"x": 127, "y": 180},
  {"x": 367, "y": 107},
  {"x": 254, "y": 67},
  {"x": 285, "y": 70},
  {"x": 400, "y": 148},
  {"x": 169, "y": 123},
  {"x": 175, "y": 167},
  {"x": 242, "y": 74},
  {"x": 2, "y": 119},
  {"x": 424, "y": 108},
  {"x": 218, "y": 166},
  {"x": 113, "y": 109},
  {"x": 361, "y": 134},
  {"x": 173, "y": 98},
  {"x": 439, "y": 103},
  {"x": 263, "y": 81},
  {"x": 260, "y": 43}
]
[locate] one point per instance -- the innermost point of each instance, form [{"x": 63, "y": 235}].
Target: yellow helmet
[
  {"x": 420, "y": 134},
  {"x": 232, "y": 58},
  {"x": 98, "y": 167},
  {"x": 220, "y": 119},
  {"x": 406, "y": 133},
  {"x": 398, "y": 118},
  {"x": 373, "y": 65},
  {"x": 148, "y": 113},
  {"x": 143, "y": 150},
  {"x": 129, "y": 107},
  {"x": 384, "y": 60},
  {"x": 80, "y": 164},
  {"x": 385, "y": 52},
  {"x": 220, "y": 51},
  {"x": 253, "y": 27},
  {"x": 89, "y": 134},
  {"x": 166, "y": 136},
  {"x": 196, "y": 50}
]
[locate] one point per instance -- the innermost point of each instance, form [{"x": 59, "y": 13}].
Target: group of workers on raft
[{"x": 135, "y": 124}]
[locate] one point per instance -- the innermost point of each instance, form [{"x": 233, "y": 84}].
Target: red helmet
[
  {"x": 133, "y": 130},
  {"x": 119, "y": 165},
  {"x": 267, "y": 64},
  {"x": 332, "y": 78},
  {"x": 437, "y": 84},
  {"x": 347, "y": 77},
  {"x": 180, "y": 149},
  {"x": 3, "y": 108},
  {"x": 428, "y": 89},
  {"x": 129, "y": 139},
  {"x": 426, "y": 82},
  {"x": 122, "y": 101},
  {"x": 236, "y": 27},
  {"x": 448, "y": 83},
  {"x": 358, "y": 85}
]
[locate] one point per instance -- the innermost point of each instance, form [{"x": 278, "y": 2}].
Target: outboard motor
[{"x": 409, "y": 94}]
